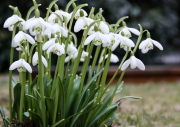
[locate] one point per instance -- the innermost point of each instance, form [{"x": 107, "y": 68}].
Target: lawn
[{"x": 159, "y": 106}]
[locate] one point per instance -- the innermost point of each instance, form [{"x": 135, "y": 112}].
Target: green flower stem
[
  {"x": 41, "y": 85},
  {"x": 55, "y": 76},
  {"x": 30, "y": 11},
  {"x": 139, "y": 38},
  {"x": 96, "y": 56},
  {"x": 20, "y": 74},
  {"x": 63, "y": 56},
  {"x": 22, "y": 95},
  {"x": 10, "y": 84},
  {"x": 29, "y": 87},
  {"x": 119, "y": 21},
  {"x": 124, "y": 58},
  {"x": 86, "y": 62},
  {"x": 67, "y": 67},
  {"x": 91, "y": 12},
  {"x": 69, "y": 4}
]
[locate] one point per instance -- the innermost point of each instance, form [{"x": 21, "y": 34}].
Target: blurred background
[{"x": 159, "y": 105}]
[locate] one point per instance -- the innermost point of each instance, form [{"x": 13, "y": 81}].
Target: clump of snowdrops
[{"x": 66, "y": 99}]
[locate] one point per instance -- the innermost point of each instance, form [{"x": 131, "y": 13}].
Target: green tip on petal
[
  {"x": 52, "y": 36},
  {"x": 56, "y": 20},
  {"x": 81, "y": 13},
  {"x": 148, "y": 35},
  {"x": 56, "y": 7},
  {"x": 23, "y": 55},
  {"x": 123, "y": 23}
]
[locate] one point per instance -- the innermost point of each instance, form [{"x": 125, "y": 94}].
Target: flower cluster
[{"x": 53, "y": 34}]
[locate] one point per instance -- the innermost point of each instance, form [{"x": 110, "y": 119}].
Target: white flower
[
  {"x": 133, "y": 62},
  {"x": 83, "y": 56},
  {"x": 124, "y": 43},
  {"x": 35, "y": 59},
  {"x": 113, "y": 59},
  {"x": 147, "y": 45},
  {"x": 56, "y": 49},
  {"x": 114, "y": 40},
  {"x": 21, "y": 37},
  {"x": 21, "y": 65},
  {"x": 36, "y": 25},
  {"x": 61, "y": 13},
  {"x": 127, "y": 31},
  {"x": 82, "y": 23},
  {"x": 9, "y": 23},
  {"x": 49, "y": 43},
  {"x": 98, "y": 38},
  {"x": 71, "y": 51},
  {"x": 77, "y": 15}
]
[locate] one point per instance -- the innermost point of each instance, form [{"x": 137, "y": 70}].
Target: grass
[{"x": 159, "y": 106}]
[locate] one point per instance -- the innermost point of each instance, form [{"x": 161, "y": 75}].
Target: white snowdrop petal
[
  {"x": 50, "y": 48},
  {"x": 140, "y": 64},
  {"x": 29, "y": 38},
  {"x": 51, "y": 17},
  {"x": 30, "y": 24},
  {"x": 115, "y": 45},
  {"x": 134, "y": 31},
  {"x": 19, "y": 37},
  {"x": 125, "y": 64},
  {"x": 35, "y": 59},
  {"x": 104, "y": 37},
  {"x": 143, "y": 44},
  {"x": 114, "y": 58},
  {"x": 48, "y": 44},
  {"x": 79, "y": 25},
  {"x": 157, "y": 44},
  {"x": 9, "y": 21},
  {"x": 15, "y": 65},
  {"x": 145, "y": 50},
  {"x": 133, "y": 62},
  {"x": 89, "y": 39},
  {"x": 60, "y": 48},
  {"x": 129, "y": 42},
  {"x": 67, "y": 15},
  {"x": 104, "y": 27},
  {"x": 44, "y": 61},
  {"x": 67, "y": 59},
  {"x": 27, "y": 66}
]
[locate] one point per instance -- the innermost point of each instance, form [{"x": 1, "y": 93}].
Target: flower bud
[
  {"x": 148, "y": 35},
  {"x": 23, "y": 55},
  {"x": 81, "y": 13},
  {"x": 73, "y": 5},
  {"x": 123, "y": 23},
  {"x": 95, "y": 28},
  {"x": 56, "y": 7}
]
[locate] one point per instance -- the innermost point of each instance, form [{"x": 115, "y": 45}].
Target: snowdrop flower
[
  {"x": 77, "y": 15},
  {"x": 35, "y": 59},
  {"x": 21, "y": 37},
  {"x": 147, "y": 44},
  {"x": 82, "y": 22},
  {"x": 124, "y": 43},
  {"x": 113, "y": 59},
  {"x": 56, "y": 49},
  {"x": 133, "y": 62},
  {"x": 97, "y": 37},
  {"x": 61, "y": 13},
  {"x": 71, "y": 51},
  {"x": 83, "y": 56},
  {"x": 127, "y": 31},
  {"x": 9, "y": 23},
  {"x": 36, "y": 25},
  {"x": 114, "y": 40},
  {"x": 21, "y": 65}
]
